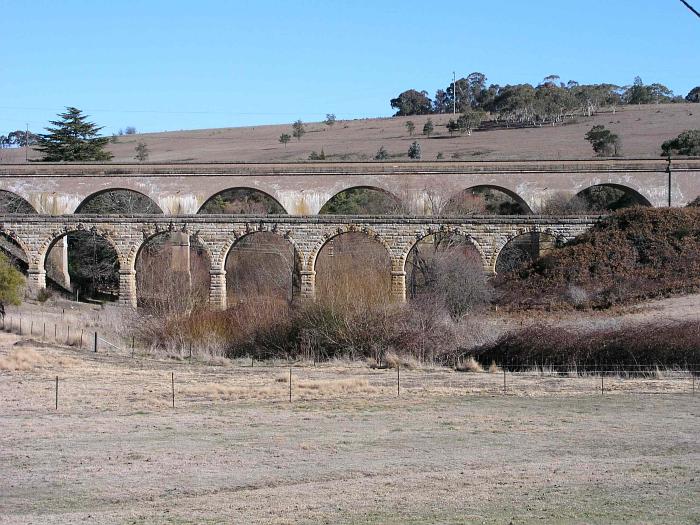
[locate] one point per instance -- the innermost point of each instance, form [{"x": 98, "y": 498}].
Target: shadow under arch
[
  {"x": 486, "y": 199},
  {"x": 353, "y": 269},
  {"x": 522, "y": 249},
  {"x": 13, "y": 203},
  {"x": 115, "y": 201},
  {"x": 242, "y": 200},
  {"x": 262, "y": 265},
  {"x": 363, "y": 200},
  {"x": 83, "y": 262},
  {"x": 611, "y": 197}
]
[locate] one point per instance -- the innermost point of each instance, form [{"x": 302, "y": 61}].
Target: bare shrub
[
  {"x": 353, "y": 317},
  {"x": 646, "y": 346},
  {"x": 447, "y": 270},
  {"x": 562, "y": 203},
  {"x": 242, "y": 201},
  {"x": 261, "y": 264},
  {"x": 469, "y": 365},
  {"x": 184, "y": 287},
  {"x": 483, "y": 200},
  {"x": 353, "y": 270}
]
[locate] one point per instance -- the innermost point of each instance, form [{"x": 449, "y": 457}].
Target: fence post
[
  {"x": 601, "y": 382},
  {"x": 290, "y": 384},
  {"x": 44, "y": 332},
  {"x": 68, "y": 336},
  {"x": 190, "y": 350},
  {"x": 504, "y": 379},
  {"x": 56, "y": 392},
  {"x": 172, "y": 385},
  {"x": 133, "y": 346},
  {"x": 81, "y": 339},
  {"x": 398, "y": 380},
  {"x": 20, "y": 325},
  {"x": 95, "y": 342},
  {"x": 55, "y": 332},
  {"x": 31, "y": 328}
]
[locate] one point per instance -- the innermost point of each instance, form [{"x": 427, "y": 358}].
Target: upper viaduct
[
  {"x": 303, "y": 188},
  {"x": 56, "y": 192}
]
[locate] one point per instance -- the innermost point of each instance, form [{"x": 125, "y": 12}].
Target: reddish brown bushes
[
  {"x": 632, "y": 255},
  {"x": 673, "y": 344}
]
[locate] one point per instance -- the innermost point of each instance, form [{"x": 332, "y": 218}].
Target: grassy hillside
[
  {"x": 642, "y": 128},
  {"x": 634, "y": 254}
]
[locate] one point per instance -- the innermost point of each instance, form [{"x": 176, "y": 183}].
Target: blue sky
[{"x": 167, "y": 65}]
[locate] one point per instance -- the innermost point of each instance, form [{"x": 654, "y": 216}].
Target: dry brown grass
[
  {"x": 643, "y": 129},
  {"x": 21, "y": 359},
  {"x": 394, "y": 360},
  {"x": 469, "y": 365},
  {"x": 338, "y": 386}
]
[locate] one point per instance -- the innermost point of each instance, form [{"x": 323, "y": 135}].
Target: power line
[{"x": 691, "y": 8}]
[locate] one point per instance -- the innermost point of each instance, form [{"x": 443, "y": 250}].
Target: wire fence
[{"x": 290, "y": 380}]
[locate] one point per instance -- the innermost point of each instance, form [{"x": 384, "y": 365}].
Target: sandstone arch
[
  {"x": 262, "y": 264},
  {"x": 441, "y": 251},
  {"x": 171, "y": 270},
  {"x": 353, "y": 269},
  {"x": 86, "y": 261},
  {"x": 521, "y": 248}
]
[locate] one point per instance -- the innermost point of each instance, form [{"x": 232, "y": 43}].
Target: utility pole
[
  {"x": 454, "y": 94},
  {"x": 668, "y": 170},
  {"x": 26, "y": 145}
]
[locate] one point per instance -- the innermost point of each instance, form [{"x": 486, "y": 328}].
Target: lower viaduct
[
  {"x": 217, "y": 234},
  {"x": 57, "y": 191}
]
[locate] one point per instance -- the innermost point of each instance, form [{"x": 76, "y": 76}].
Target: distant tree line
[
  {"x": 549, "y": 102},
  {"x": 18, "y": 139}
]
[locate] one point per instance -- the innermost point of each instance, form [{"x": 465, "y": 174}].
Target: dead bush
[{"x": 645, "y": 346}]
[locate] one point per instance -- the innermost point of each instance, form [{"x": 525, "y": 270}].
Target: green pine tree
[{"x": 73, "y": 139}]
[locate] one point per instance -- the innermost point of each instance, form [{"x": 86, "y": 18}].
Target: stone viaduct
[
  {"x": 217, "y": 234},
  {"x": 56, "y": 191}
]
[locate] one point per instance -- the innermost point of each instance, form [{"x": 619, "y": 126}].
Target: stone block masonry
[{"x": 217, "y": 234}]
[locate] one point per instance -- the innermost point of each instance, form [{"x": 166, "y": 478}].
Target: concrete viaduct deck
[{"x": 423, "y": 188}]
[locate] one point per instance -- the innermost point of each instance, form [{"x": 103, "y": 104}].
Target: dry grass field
[
  {"x": 642, "y": 128},
  {"x": 453, "y": 448}
]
